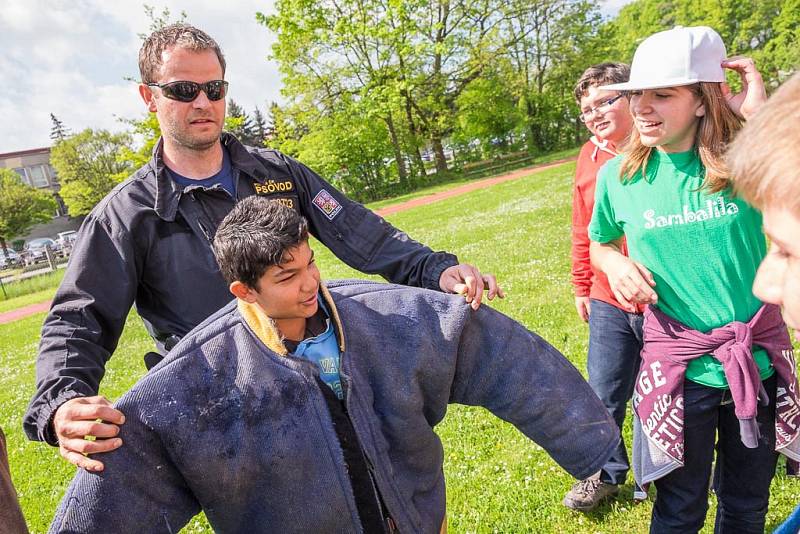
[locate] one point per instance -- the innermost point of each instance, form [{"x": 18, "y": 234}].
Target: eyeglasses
[
  {"x": 601, "y": 108},
  {"x": 185, "y": 91}
]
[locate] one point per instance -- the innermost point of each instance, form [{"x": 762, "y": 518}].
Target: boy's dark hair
[
  {"x": 601, "y": 74},
  {"x": 254, "y": 236},
  {"x": 182, "y": 35}
]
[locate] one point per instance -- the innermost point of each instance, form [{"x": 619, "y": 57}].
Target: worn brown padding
[{"x": 11, "y": 520}]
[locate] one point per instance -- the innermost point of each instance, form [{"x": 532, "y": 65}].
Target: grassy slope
[
  {"x": 27, "y": 299},
  {"x": 30, "y": 290},
  {"x": 497, "y": 480}
]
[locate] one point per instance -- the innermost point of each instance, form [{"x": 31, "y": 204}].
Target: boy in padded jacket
[{"x": 301, "y": 407}]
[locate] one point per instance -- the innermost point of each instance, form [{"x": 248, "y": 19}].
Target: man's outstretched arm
[{"x": 367, "y": 242}]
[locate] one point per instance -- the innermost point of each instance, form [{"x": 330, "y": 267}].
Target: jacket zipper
[{"x": 203, "y": 228}]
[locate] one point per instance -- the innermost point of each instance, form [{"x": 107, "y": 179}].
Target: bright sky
[{"x": 70, "y": 58}]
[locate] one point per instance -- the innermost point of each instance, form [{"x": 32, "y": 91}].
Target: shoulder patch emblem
[{"x": 328, "y": 205}]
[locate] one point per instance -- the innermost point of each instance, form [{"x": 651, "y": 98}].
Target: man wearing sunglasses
[{"x": 149, "y": 243}]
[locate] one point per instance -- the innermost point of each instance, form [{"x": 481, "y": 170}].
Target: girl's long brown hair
[{"x": 715, "y": 130}]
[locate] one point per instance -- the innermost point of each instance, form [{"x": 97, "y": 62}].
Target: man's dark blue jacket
[
  {"x": 149, "y": 242},
  {"x": 230, "y": 424}
]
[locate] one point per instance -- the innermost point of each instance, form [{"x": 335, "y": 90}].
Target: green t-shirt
[{"x": 703, "y": 249}]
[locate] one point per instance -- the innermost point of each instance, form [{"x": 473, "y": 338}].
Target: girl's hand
[
  {"x": 630, "y": 281},
  {"x": 753, "y": 94}
]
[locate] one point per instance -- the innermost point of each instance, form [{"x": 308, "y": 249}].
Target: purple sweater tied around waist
[{"x": 658, "y": 398}]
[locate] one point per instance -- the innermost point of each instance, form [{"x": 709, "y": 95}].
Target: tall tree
[
  {"x": 236, "y": 121},
  {"x": 58, "y": 131},
  {"x": 487, "y": 113},
  {"x": 145, "y": 132},
  {"x": 21, "y": 207},
  {"x": 283, "y": 132},
  {"x": 409, "y": 62},
  {"x": 552, "y": 45},
  {"x": 764, "y": 30},
  {"x": 351, "y": 149},
  {"x": 259, "y": 128},
  {"x": 779, "y": 57},
  {"x": 159, "y": 20},
  {"x": 89, "y": 166}
]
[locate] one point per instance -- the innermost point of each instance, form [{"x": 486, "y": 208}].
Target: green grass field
[
  {"x": 19, "y": 294},
  {"x": 497, "y": 480}
]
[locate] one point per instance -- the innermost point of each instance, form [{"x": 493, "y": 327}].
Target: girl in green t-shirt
[{"x": 694, "y": 251}]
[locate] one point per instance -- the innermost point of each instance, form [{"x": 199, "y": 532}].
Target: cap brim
[{"x": 638, "y": 86}]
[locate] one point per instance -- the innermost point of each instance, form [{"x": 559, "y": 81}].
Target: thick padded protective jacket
[{"x": 227, "y": 424}]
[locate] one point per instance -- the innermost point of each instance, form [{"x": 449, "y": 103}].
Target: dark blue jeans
[
  {"x": 615, "y": 341},
  {"x": 741, "y": 478}
]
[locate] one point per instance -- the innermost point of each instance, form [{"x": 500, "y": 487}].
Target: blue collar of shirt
[
  {"x": 321, "y": 338},
  {"x": 222, "y": 179}
]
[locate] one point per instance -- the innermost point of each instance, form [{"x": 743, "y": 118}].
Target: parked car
[
  {"x": 13, "y": 259},
  {"x": 66, "y": 238},
  {"x": 35, "y": 250}
]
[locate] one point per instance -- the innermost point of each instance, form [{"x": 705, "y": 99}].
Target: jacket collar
[
  {"x": 605, "y": 146},
  {"x": 168, "y": 193},
  {"x": 265, "y": 330}
]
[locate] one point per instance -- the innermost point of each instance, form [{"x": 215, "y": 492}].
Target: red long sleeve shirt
[{"x": 587, "y": 280}]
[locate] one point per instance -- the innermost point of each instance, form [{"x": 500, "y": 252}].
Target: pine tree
[
  {"x": 241, "y": 125},
  {"x": 234, "y": 109},
  {"x": 58, "y": 132},
  {"x": 276, "y": 127},
  {"x": 259, "y": 128}
]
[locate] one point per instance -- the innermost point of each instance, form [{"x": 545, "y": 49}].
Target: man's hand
[
  {"x": 584, "y": 308},
  {"x": 76, "y": 419},
  {"x": 467, "y": 280},
  {"x": 753, "y": 94}
]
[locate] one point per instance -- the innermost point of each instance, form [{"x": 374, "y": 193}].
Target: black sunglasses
[{"x": 185, "y": 91}]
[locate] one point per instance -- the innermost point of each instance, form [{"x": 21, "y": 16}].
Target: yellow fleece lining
[{"x": 266, "y": 330}]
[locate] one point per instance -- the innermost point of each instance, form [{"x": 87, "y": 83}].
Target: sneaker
[{"x": 586, "y": 495}]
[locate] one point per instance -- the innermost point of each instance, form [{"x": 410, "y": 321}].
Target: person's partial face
[
  {"x": 289, "y": 291},
  {"x": 195, "y": 125},
  {"x": 667, "y": 118},
  {"x": 609, "y": 121},
  {"x": 778, "y": 278}
]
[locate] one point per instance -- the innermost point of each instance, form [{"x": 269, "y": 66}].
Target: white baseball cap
[{"x": 680, "y": 56}]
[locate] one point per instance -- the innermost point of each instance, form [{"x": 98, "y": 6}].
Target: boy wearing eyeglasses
[
  {"x": 614, "y": 330},
  {"x": 148, "y": 242}
]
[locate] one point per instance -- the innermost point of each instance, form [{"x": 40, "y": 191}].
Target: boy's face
[
  {"x": 289, "y": 290},
  {"x": 612, "y": 122},
  {"x": 778, "y": 278}
]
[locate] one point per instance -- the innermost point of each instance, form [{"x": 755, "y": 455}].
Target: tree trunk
[
  {"x": 402, "y": 172},
  {"x": 412, "y": 126},
  {"x": 529, "y": 139},
  {"x": 419, "y": 163},
  {"x": 4, "y": 246},
  {"x": 536, "y": 141},
  {"x": 438, "y": 153}
]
